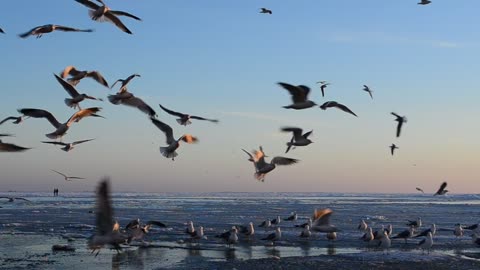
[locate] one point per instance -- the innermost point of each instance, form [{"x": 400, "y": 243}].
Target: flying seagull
[
  {"x": 321, "y": 221},
  {"x": 67, "y": 178},
  {"x": 48, "y": 28},
  {"x": 12, "y": 199},
  {"x": 106, "y": 232},
  {"x": 104, "y": 13},
  {"x": 77, "y": 75},
  {"x": 297, "y": 139},
  {"x": 262, "y": 167},
  {"x": 73, "y": 102},
  {"x": 185, "y": 118},
  {"x": 124, "y": 82},
  {"x": 61, "y": 129},
  {"x": 16, "y": 120},
  {"x": 266, "y": 11},
  {"x": 128, "y": 99},
  {"x": 392, "y": 148},
  {"x": 323, "y": 86},
  {"x": 441, "y": 190},
  {"x": 424, "y": 2},
  {"x": 8, "y": 147},
  {"x": 367, "y": 89},
  {"x": 299, "y": 96},
  {"x": 6, "y": 135},
  {"x": 334, "y": 104},
  {"x": 400, "y": 120},
  {"x": 68, "y": 146},
  {"x": 419, "y": 189},
  {"x": 169, "y": 151},
  {"x": 1, "y": 31}
]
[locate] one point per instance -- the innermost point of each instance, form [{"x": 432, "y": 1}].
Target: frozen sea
[{"x": 28, "y": 230}]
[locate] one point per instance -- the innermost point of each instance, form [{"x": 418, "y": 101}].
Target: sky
[{"x": 223, "y": 59}]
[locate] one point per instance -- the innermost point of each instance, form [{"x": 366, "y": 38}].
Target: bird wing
[
  {"x": 75, "y": 177},
  {"x": 8, "y": 118},
  {"x": 119, "y": 80},
  {"x": 68, "y": 87},
  {"x": 71, "y": 29},
  {"x": 28, "y": 33},
  {"x": 399, "y": 128},
  {"x": 321, "y": 217},
  {"x": 345, "y": 109},
  {"x": 1, "y": 31},
  {"x": 139, "y": 104},
  {"x": 298, "y": 94},
  {"x": 156, "y": 223},
  {"x": 88, "y": 4},
  {"x": 70, "y": 70},
  {"x": 98, "y": 77},
  {"x": 76, "y": 117},
  {"x": 297, "y": 132},
  {"x": 306, "y": 135},
  {"x": 104, "y": 212},
  {"x": 269, "y": 237},
  {"x": 57, "y": 143},
  {"x": 421, "y": 242},
  {"x": 283, "y": 161},
  {"x": 442, "y": 187},
  {"x": 123, "y": 13},
  {"x": 132, "y": 224},
  {"x": 206, "y": 119},
  {"x": 396, "y": 115},
  {"x": 60, "y": 173},
  {"x": 82, "y": 141},
  {"x": 165, "y": 128},
  {"x": 419, "y": 189},
  {"x": 117, "y": 22},
  {"x": 6, "y": 135},
  {"x": 8, "y": 147},
  {"x": 38, "y": 113},
  {"x": 172, "y": 112}
]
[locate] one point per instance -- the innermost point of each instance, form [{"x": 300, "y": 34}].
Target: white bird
[
  {"x": 104, "y": 13},
  {"x": 321, "y": 221},
  {"x": 275, "y": 236},
  {"x": 368, "y": 236},
  {"x": 415, "y": 223},
  {"x": 331, "y": 236},
  {"x": 458, "y": 231},
  {"x": 246, "y": 230},
  {"x": 389, "y": 230},
  {"x": 198, "y": 234},
  {"x": 309, "y": 223},
  {"x": 68, "y": 146},
  {"x": 405, "y": 234},
  {"x": 426, "y": 243},
  {"x": 432, "y": 229},
  {"x": 266, "y": 224},
  {"x": 78, "y": 75},
  {"x": 190, "y": 230},
  {"x": 276, "y": 221},
  {"x": 297, "y": 139},
  {"x": 231, "y": 236},
  {"x": 61, "y": 129},
  {"x": 124, "y": 82},
  {"x": 292, "y": 217},
  {"x": 68, "y": 178},
  {"x": 262, "y": 167},
  {"x": 128, "y": 99},
  {"x": 184, "y": 119},
  {"x": 169, "y": 151},
  {"x": 385, "y": 242},
  {"x": 299, "y": 96},
  {"x": 362, "y": 226},
  {"x": 106, "y": 232},
  {"x": 306, "y": 232},
  {"x": 48, "y": 28}
]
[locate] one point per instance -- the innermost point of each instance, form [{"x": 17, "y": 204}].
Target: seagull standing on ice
[
  {"x": 299, "y": 96},
  {"x": 362, "y": 226},
  {"x": 309, "y": 223},
  {"x": 427, "y": 243},
  {"x": 432, "y": 229},
  {"x": 415, "y": 223},
  {"x": 405, "y": 234},
  {"x": 458, "y": 231},
  {"x": 275, "y": 236},
  {"x": 169, "y": 151},
  {"x": 385, "y": 242},
  {"x": 292, "y": 217},
  {"x": 266, "y": 224},
  {"x": 306, "y": 233}
]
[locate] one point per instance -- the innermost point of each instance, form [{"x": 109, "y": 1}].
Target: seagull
[
  {"x": 432, "y": 230},
  {"x": 475, "y": 228},
  {"x": 458, "y": 231},
  {"x": 334, "y": 104},
  {"x": 389, "y": 230},
  {"x": 137, "y": 232},
  {"x": 331, "y": 236},
  {"x": 400, "y": 120},
  {"x": 262, "y": 167},
  {"x": 106, "y": 232},
  {"x": 306, "y": 232},
  {"x": 405, "y": 234},
  {"x": 275, "y": 236},
  {"x": 299, "y": 96},
  {"x": 77, "y": 75},
  {"x": 441, "y": 190},
  {"x": 69, "y": 146},
  {"x": 309, "y": 223},
  {"x": 297, "y": 139},
  {"x": 292, "y": 217},
  {"x": 17, "y": 120},
  {"x": 124, "y": 82},
  {"x": 266, "y": 11},
  {"x": 67, "y": 178},
  {"x": 61, "y": 129},
  {"x": 104, "y": 13},
  {"x": 385, "y": 242},
  {"x": 276, "y": 221},
  {"x": 230, "y": 236},
  {"x": 419, "y": 189},
  {"x": 8, "y": 147},
  {"x": 247, "y": 230},
  {"x": 392, "y": 148},
  {"x": 424, "y": 2},
  {"x": 426, "y": 243},
  {"x": 73, "y": 102},
  {"x": 323, "y": 85},
  {"x": 184, "y": 119},
  {"x": 197, "y": 234},
  {"x": 48, "y": 28},
  {"x": 266, "y": 224},
  {"x": 190, "y": 230},
  {"x": 367, "y": 89},
  {"x": 415, "y": 223},
  {"x": 169, "y": 151},
  {"x": 362, "y": 226},
  {"x": 321, "y": 221},
  {"x": 368, "y": 235},
  {"x": 379, "y": 233},
  {"x": 129, "y": 99},
  {"x": 12, "y": 199},
  {"x": 1, "y": 31}
]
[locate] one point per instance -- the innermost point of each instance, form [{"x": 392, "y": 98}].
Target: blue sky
[{"x": 222, "y": 59}]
